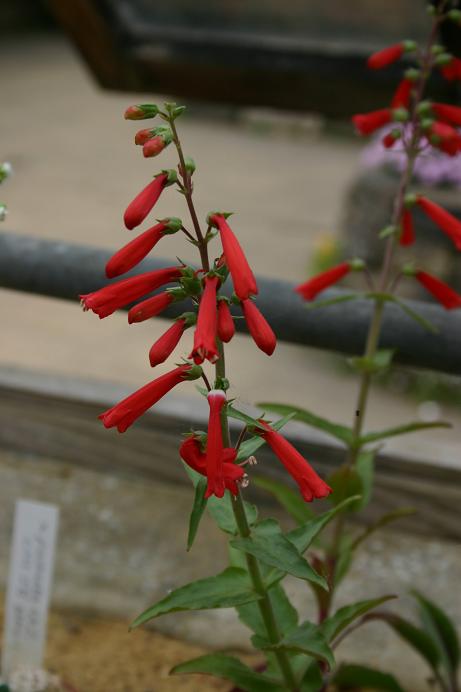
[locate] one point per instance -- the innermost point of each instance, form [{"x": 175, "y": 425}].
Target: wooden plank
[{"x": 57, "y": 418}]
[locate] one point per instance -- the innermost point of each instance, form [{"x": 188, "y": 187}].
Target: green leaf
[
  {"x": 383, "y": 521},
  {"x": 226, "y": 590},
  {"x": 243, "y": 417},
  {"x": 290, "y": 499},
  {"x": 344, "y": 561},
  {"x": 440, "y": 628},
  {"x": 351, "y": 677},
  {"x": 341, "y": 432},
  {"x": 332, "y": 301},
  {"x": 345, "y": 482},
  {"x": 303, "y": 536},
  {"x": 251, "y": 446},
  {"x": 277, "y": 551},
  {"x": 343, "y": 617},
  {"x": 285, "y": 614},
  {"x": 220, "y": 508},
  {"x": 312, "y": 680},
  {"x": 401, "y": 430},
  {"x": 381, "y": 360},
  {"x": 197, "y": 511},
  {"x": 422, "y": 321},
  {"x": 229, "y": 668},
  {"x": 416, "y": 637},
  {"x": 309, "y": 639},
  {"x": 365, "y": 469}
]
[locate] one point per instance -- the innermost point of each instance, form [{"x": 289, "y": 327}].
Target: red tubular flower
[
  {"x": 133, "y": 252},
  {"x": 142, "y": 136},
  {"x": 447, "y": 223},
  {"x": 366, "y": 123},
  {"x": 141, "y": 112},
  {"x": 114, "y": 296},
  {"x": 242, "y": 276},
  {"x": 451, "y": 114},
  {"x": 153, "y": 147},
  {"x": 312, "y": 287},
  {"x": 123, "y": 414},
  {"x": 385, "y": 57},
  {"x": 401, "y": 98},
  {"x": 207, "y": 319},
  {"x": 142, "y": 204},
  {"x": 440, "y": 290},
  {"x": 191, "y": 453},
  {"x": 407, "y": 236},
  {"x": 226, "y": 326},
  {"x": 165, "y": 345},
  {"x": 262, "y": 334},
  {"x": 309, "y": 482},
  {"x": 214, "y": 447},
  {"x": 452, "y": 71},
  {"x": 151, "y": 307}
]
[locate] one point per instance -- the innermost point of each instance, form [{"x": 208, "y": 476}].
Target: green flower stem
[
  {"x": 384, "y": 285},
  {"x": 254, "y": 570}
]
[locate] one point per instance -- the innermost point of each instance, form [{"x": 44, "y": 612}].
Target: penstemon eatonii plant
[{"x": 294, "y": 656}]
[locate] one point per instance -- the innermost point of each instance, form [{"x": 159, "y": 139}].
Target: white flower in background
[
  {"x": 6, "y": 170},
  {"x": 3, "y": 211}
]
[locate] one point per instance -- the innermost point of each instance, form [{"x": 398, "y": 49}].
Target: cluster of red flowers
[
  {"x": 211, "y": 316},
  {"x": 434, "y": 123}
]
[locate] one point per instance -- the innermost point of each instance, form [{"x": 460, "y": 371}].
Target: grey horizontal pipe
[{"x": 64, "y": 270}]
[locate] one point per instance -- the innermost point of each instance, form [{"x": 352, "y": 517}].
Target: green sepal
[
  {"x": 172, "y": 176},
  {"x": 226, "y": 215},
  {"x": 189, "y": 164},
  {"x": 351, "y": 676},
  {"x": 190, "y": 318},
  {"x": 229, "y": 668},
  {"x": 341, "y": 432},
  {"x": 228, "y": 589},
  {"x": 249, "y": 447},
  {"x": 173, "y": 225},
  {"x": 443, "y": 59},
  {"x": 194, "y": 373}
]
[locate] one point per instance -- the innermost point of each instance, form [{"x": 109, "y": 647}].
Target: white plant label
[{"x": 29, "y": 584}]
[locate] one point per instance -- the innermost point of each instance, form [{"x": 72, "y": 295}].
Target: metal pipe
[{"x": 64, "y": 270}]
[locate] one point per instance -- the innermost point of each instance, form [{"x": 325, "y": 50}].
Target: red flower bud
[
  {"x": 214, "y": 447},
  {"x": 242, "y": 276},
  {"x": 123, "y": 414},
  {"x": 366, "y": 123},
  {"x": 142, "y": 136},
  {"x": 205, "y": 331},
  {"x": 452, "y": 71},
  {"x": 309, "y": 482},
  {"x": 151, "y": 307},
  {"x": 141, "y": 111},
  {"x": 385, "y": 57},
  {"x": 114, "y": 296},
  {"x": 407, "y": 236},
  {"x": 312, "y": 287},
  {"x": 192, "y": 455},
  {"x": 226, "y": 326},
  {"x": 390, "y": 139},
  {"x": 451, "y": 114},
  {"x": 445, "y": 138},
  {"x": 440, "y": 290},
  {"x": 153, "y": 146},
  {"x": 133, "y": 252},
  {"x": 165, "y": 345},
  {"x": 142, "y": 204},
  {"x": 262, "y": 334},
  {"x": 401, "y": 98},
  {"x": 447, "y": 223}
]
